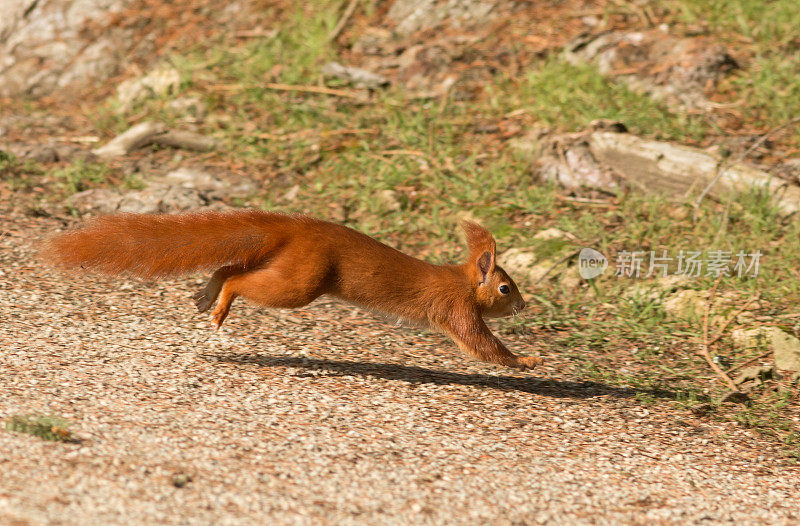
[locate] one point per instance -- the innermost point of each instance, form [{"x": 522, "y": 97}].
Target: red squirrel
[{"x": 287, "y": 261}]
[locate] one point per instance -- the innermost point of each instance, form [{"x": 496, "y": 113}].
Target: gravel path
[{"x": 327, "y": 415}]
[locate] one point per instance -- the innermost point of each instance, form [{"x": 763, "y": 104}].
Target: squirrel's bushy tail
[{"x": 150, "y": 246}]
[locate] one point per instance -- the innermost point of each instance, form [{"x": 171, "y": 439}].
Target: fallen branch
[
  {"x": 150, "y": 132},
  {"x": 133, "y": 138},
  {"x": 704, "y": 344}
]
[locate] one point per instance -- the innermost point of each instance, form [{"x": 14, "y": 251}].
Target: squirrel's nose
[{"x": 521, "y": 304}]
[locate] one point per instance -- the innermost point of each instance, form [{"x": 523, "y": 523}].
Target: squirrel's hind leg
[
  {"x": 223, "y": 307},
  {"x": 276, "y": 286},
  {"x": 205, "y": 298}
]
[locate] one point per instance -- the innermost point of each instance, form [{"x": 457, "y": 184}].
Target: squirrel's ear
[
  {"x": 481, "y": 248},
  {"x": 479, "y": 240},
  {"x": 485, "y": 264}
]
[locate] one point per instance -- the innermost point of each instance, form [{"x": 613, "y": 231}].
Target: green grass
[
  {"x": 46, "y": 427},
  {"x": 569, "y": 97},
  {"x": 770, "y": 89},
  {"x": 765, "y": 34},
  {"x": 81, "y": 175},
  {"x": 770, "y": 24},
  {"x": 20, "y": 175}
]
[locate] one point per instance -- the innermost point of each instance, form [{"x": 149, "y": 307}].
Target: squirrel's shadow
[{"x": 421, "y": 375}]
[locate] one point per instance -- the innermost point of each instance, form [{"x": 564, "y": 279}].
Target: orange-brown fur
[{"x": 287, "y": 261}]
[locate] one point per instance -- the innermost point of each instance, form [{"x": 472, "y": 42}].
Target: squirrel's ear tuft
[{"x": 479, "y": 240}]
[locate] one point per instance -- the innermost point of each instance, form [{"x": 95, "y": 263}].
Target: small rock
[
  {"x": 410, "y": 16},
  {"x": 159, "y": 82},
  {"x": 571, "y": 279},
  {"x": 360, "y": 78},
  {"x": 191, "y": 107},
  {"x": 193, "y": 178},
  {"x": 145, "y": 201},
  {"x": 98, "y": 200},
  {"x": 389, "y": 201},
  {"x": 42, "y": 153},
  {"x": 182, "y": 189},
  {"x": 758, "y": 373},
  {"x": 181, "y": 479},
  {"x": 518, "y": 262},
  {"x": 291, "y": 194},
  {"x": 553, "y": 233},
  {"x": 785, "y": 347},
  {"x": 576, "y": 167},
  {"x": 688, "y": 67},
  {"x": 531, "y": 143},
  {"x": 687, "y": 304}
]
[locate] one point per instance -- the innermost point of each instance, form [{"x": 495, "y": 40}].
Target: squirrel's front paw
[{"x": 525, "y": 363}]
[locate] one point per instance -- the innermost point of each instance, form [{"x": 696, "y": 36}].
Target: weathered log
[{"x": 683, "y": 171}]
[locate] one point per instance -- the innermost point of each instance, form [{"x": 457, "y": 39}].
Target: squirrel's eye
[{"x": 504, "y": 289}]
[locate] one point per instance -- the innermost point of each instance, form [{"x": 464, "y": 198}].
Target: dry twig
[
  {"x": 351, "y": 7},
  {"x": 314, "y": 89},
  {"x": 704, "y": 344},
  {"x": 748, "y": 362},
  {"x": 732, "y": 317},
  {"x": 311, "y": 132},
  {"x": 721, "y": 167}
]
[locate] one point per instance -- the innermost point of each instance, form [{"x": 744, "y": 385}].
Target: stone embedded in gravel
[{"x": 181, "y": 480}]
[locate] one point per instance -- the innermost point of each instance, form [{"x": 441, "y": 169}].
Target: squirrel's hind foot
[{"x": 203, "y": 301}]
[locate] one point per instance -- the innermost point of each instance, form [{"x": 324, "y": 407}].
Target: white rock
[
  {"x": 785, "y": 347},
  {"x": 159, "y": 82}
]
